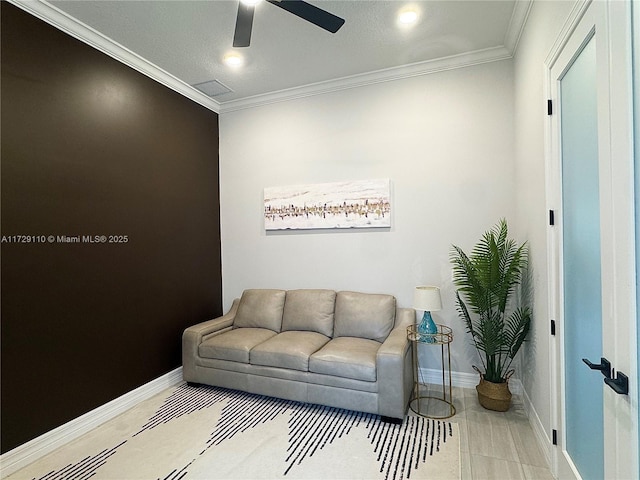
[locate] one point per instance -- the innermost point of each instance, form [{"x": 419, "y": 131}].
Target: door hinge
[
  {"x": 552, "y": 217},
  {"x": 553, "y": 327},
  {"x": 549, "y": 107},
  {"x": 554, "y": 437}
]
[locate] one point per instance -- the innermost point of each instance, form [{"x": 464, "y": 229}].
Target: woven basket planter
[{"x": 494, "y": 396}]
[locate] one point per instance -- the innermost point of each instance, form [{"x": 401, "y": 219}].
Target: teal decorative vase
[{"x": 427, "y": 328}]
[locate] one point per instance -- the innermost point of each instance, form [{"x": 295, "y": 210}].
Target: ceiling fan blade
[
  {"x": 244, "y": 23},
  {"x": 311, "y": 13}
]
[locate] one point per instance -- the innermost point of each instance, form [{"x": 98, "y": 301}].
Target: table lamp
[{"x": 428, "y": 299}]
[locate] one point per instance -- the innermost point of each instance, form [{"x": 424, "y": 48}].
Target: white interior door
[
  {"x": 581, "y": 263},
  {"x": 592, "y": 279}
]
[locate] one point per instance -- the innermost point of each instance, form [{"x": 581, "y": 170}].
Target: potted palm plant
[{"x": 498, "y": 322}]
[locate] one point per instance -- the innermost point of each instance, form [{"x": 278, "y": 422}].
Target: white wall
[
  {"x": 446, "y": 142},
  {"x": 543, "y": 27}
]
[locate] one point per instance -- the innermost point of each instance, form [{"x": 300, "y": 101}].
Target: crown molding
[
  {"x": 62, "y": 21},
  {"x": 516, "y": 25},
  {"x": 386, "y": 75},
  {"x": 59, "y": 19},
  {"x": 512, "y": 37}
]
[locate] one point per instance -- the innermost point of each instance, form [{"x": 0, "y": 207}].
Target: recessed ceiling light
[
  {"x": 407, "y": 17},
  {"x": 233, "y": 60}
]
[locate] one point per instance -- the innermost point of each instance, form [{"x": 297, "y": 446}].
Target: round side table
[{"x": 438, "y": 403}]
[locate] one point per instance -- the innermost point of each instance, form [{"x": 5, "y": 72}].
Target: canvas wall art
[{"x": 355, "y": 204}]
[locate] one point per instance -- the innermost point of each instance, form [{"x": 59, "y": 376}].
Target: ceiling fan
[{"x": 304, "y": 10}]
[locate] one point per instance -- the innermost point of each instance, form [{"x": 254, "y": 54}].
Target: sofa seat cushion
[
  {"x": 235, "y": 344},
  {"x": 364, "y": 315},
  {"x": 289, "y": 349},
  {"x": 347, "y": 357}
]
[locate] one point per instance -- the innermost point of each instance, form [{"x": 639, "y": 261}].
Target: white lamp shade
[{"x": 427, "y": 298}]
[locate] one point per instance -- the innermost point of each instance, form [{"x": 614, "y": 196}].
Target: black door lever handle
[
  {"x": 620, "y": 384},
  {"x": 604, "y": 366}
]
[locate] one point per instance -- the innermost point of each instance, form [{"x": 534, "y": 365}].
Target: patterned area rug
[{"x": 214, "y": 433}]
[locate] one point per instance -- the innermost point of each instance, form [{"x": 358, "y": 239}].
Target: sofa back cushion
[
  {"x": 364, "y": 315},
  {"x": 309, "y": 310},
  {"x": 260, "y": 308}
]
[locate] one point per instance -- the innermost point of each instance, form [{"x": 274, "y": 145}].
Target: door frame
[
  {"x": 635, "y": 33},
  {"x": 610, "y": 21}
]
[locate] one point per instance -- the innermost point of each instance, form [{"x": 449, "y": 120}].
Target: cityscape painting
[{"x": 355, "y": 204}]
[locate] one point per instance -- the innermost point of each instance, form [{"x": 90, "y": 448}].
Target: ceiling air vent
[{"x": 213, "y": 88}]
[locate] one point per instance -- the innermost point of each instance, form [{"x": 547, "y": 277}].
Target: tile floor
[{"x": 496, "y": 445}]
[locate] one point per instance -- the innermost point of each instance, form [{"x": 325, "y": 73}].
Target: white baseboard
[
  {"x": 31, "y": 451},
  {"x": 538, "y": 429},
  {"x": 464, "y": 380}
]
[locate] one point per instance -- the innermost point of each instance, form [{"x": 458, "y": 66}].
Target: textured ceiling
[{"x": 188, "y": 38}]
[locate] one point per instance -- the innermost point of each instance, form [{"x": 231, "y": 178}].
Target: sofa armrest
[
  {"x": 393, "y": 364},
  {"x": 196, "y": 334}
]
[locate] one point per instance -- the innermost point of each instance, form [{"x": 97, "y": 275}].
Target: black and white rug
[{"x": 214, "y": 433}]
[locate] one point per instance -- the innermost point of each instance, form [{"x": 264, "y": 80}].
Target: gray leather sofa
[{"x": 341, "y": 349}]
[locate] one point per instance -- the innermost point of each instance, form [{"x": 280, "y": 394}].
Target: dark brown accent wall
[{"x": 92, "y": 148}]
